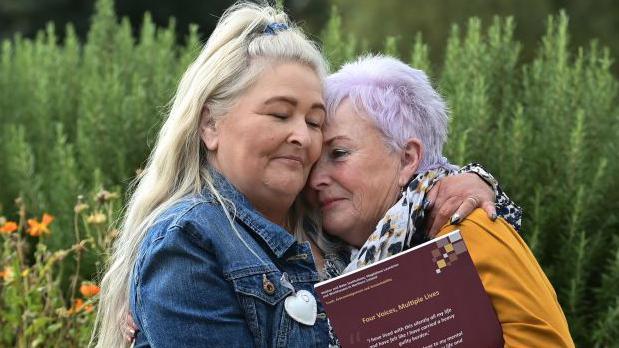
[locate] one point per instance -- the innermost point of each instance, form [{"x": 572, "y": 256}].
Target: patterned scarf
[{"x": 399, "y": 229}]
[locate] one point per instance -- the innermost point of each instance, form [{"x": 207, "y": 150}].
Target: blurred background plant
[
  {"x": 79, "y": 112},
  {"x": 46, "y": 297}
]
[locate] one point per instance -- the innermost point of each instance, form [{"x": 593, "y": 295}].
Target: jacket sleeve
[
  {"x": 182, "y": 298},
  {"x": 523, "y": 298}
]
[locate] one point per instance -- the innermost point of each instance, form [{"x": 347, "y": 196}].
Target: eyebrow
[
  {"x": 293, "y": 102},
  {"x": 337, "y": 137}
]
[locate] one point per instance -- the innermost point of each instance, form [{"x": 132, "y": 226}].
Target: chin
[
  {"x": 337, "y": 228},
  {"x": 287, "y": 184}
]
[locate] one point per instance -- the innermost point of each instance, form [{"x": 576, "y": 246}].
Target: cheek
[
  {"x": 353, "y": 180},
  {"x": 372, "y": 193},
  {"x": 315, "y": 148},
  {"x": 360, "y": 202},
  {"x": 260, "y": 146},
  {"x": 354, "y": 184}
]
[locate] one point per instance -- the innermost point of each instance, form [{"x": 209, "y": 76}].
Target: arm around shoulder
[
  {"x": 523, "y": 298},
  {"x": 182, "y": 298}
]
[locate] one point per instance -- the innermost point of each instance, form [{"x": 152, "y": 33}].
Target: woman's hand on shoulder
[
  {"x": 128, "y": 328},
  {"x": 454, "y": 197}
]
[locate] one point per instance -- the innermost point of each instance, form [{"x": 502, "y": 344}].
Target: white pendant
[{"x": 301, "y": 306}]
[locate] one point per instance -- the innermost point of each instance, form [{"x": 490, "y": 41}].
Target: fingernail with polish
[{"x": 455, "y": 218}]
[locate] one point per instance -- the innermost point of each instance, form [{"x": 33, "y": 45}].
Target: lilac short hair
[{"x": 400, "y": 101}]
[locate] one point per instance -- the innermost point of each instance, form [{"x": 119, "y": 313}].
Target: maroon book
[{"x": 428, "y": 296}]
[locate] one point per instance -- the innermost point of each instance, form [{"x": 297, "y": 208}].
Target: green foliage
[
  {"x": 78, "y": 116},
  {"x": 61, "y": 183},
  {"x": 420, "y": 55},
  {"x": 547, "y": 130},
  {"x": 391, "y": 46},
  {"x": 68, "y": 110},
  {"x": 606, "y": 326},
  {"x": 335, "y": 47},
  {"x": 19, "y": 167},
  {"x": 279, "y": 4}
]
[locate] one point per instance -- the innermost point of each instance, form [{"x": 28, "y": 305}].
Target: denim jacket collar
[{"x": 276, "y": 237}]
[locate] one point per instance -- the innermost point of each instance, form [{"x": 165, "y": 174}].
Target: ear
[
  {"x": 410, "y": 159},
  {"x": 208, "y": 132}
]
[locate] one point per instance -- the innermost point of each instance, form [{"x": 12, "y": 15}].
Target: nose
[
  {"x": 319, "y": 178},
  {"x": 300, "y": 133}
]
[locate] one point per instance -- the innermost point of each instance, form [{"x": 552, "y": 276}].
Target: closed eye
[
  {"x": 280, "y": 116},
  {"x": 338, "y": 153},
  {"x": 314, "y": 124}
]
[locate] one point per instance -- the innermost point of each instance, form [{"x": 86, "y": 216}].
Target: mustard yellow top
[{"x": 521, "y": 294}]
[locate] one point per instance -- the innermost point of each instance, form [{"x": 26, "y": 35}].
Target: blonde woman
[
  {"x": 209, "y": 253},
  {"x": 205, "y": 239}
]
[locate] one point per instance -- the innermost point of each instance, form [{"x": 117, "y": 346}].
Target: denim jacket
[{"x": 197, "y": 283}]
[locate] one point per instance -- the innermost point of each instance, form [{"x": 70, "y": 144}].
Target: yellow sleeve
[{"x": 521, "y": 294}]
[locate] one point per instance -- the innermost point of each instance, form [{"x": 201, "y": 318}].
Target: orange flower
[
  {"x": 37, "y": 228},
  {"x": 7, "y": 274},
  {"x": 79, "y": 306},
  {"x": 8, "y": 227},
  {"x": 89, "y": 289}
]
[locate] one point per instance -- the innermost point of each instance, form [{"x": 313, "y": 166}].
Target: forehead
[
  {"x": 288, "y": 78},
  {"x": 349, "y": 122}
]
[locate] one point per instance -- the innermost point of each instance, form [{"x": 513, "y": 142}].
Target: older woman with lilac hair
[{"x": 382, "y": 154}]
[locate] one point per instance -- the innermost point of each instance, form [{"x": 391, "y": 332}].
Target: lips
[
  {"x": 328, "y": 202},
  {"x": 292, "y": 158}
]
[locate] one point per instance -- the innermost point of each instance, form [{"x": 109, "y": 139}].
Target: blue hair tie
[{"x": 273, "y": 28}]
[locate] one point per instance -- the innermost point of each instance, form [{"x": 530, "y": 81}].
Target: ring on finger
[{"x": 473, "y": 200}]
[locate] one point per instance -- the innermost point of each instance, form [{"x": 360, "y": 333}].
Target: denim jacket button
[{"x": 268, "y": 287}]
